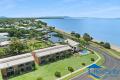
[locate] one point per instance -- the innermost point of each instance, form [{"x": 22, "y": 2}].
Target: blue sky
[{"x": 74, "y": 8}]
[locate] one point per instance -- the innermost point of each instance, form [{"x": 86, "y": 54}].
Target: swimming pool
[{"x": 84, "y": 52}]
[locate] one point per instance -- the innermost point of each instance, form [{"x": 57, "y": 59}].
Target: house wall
[
  {"x": 35, "y": 57},
  {"x": 17, "y": 69},
  {"x": 54, "y": 57},
  {"x": 4, "y": 73}
]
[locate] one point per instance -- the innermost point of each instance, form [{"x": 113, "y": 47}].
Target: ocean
[{"x": 107, "y": 30}]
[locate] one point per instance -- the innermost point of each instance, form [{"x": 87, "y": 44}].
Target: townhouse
[
  {"x": 16, "y": 65},
  {"x": 52, "y": 53}
]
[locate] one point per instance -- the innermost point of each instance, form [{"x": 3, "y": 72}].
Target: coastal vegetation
[
  {"x": 16, "y": 47},
  {"x": 105, "y": 45},
  {"x": 77, "y": 35},
  {"x": 87, "y": 37}
]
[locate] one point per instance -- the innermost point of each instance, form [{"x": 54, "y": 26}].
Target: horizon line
[{"x": 45, "y": 17}]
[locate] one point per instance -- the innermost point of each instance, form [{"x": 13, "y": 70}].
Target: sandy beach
[{"x": 117, "y": 48}]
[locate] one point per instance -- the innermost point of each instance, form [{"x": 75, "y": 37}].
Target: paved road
[{"x": 110, "y": 62}]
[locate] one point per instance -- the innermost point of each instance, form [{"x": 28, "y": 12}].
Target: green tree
[
  {"x": 77, "y": 35},
  {"x": 15, "y": 33},
  {"x": 101, "y": 43},
  {"x": 2, "y": 51},
  {"x": 87, "y": 37},
  {"x": 72, "y": 33},
  {"x": 33, "y": 34},
  {"x": 107, "y": 45},
  {"x": 16, "y": 46},
  {"x": 52, "y": 28}
]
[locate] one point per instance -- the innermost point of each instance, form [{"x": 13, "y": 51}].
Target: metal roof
[
  {"x": 52, "y": 50},
  {"x": 24, "y": 58},
  {"x": 4, "y": 43},
  {"x": 15, "y": 60},
  {"x": 71, "y": 42}
]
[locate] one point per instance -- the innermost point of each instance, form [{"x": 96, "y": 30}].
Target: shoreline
[{"x": 115, "y": 47}]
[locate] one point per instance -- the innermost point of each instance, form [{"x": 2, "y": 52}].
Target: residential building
[
  {"x": 16, "y": 65},
  {"x": 53, "y": 53},
  {"x": 73, "y": 44}
]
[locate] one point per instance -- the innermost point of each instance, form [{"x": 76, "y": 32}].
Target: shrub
[
  {"x": 70, "y": 69},
  {"x": 92, "y": 52},
  {"x": 39, "y": 78},
  {"x": 92, "y": 59},
  {"x": 83, "y": 64},
  {"x": 57, "y": 74}
]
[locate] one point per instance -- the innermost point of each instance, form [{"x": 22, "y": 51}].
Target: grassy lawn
[
  {"x": 81, "y": 72},
  {"x": 47, "y": 71},
  {"x": 0, "y": 76}
]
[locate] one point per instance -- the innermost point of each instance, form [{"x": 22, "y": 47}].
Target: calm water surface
[{"x": 101, "y": 29}]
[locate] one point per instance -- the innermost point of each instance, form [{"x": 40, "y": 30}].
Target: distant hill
[
  {"x": 54, "y": 17},
  {"x": 44, "y": 17},
  {"x": 3, "y": 17},
  {"x": 58, "y": 17}
]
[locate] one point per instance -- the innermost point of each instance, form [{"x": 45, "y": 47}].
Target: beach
[{"x": 117, "y": 48}]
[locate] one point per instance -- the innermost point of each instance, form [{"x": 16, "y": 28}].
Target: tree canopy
[
  {"x": 16, "y": 46},
  {"x": 87, "y": 37}
]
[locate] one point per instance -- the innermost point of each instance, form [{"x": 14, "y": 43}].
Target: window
[{"x": 21, "y": 65}]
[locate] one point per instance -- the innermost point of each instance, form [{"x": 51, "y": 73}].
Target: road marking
[{"x": 89, "y": 76}]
